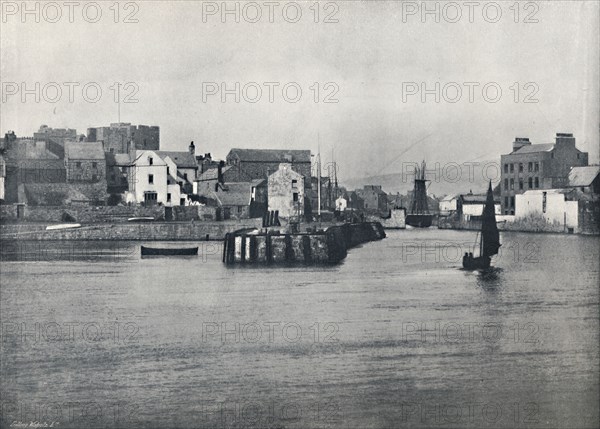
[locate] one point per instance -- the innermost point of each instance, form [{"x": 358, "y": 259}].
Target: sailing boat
[
  {"x": 490, "y": 237},
  {"x": 419, "y": 215}
]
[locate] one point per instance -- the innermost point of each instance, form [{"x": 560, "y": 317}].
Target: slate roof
[
  {"x": 118, "y": 159},
  {"x": 476, "y": 199},
  {"x": 534, "y": 148},
  {"x": 271, "y": 155},
  {"x": 180, "y": 158},
  {"x": 212, "y": 174},
  {"x": 583, "y": 176},
  {"x": 237, "y": 194},
  {"x": 84, "y": 150}
]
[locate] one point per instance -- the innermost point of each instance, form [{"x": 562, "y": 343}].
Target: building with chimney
[
  {"x": 260, "y": 163},
  {"x": 537, "y": 166},
  {"x": 375, "y": 199},
  {"x": 123, "y": 137}
]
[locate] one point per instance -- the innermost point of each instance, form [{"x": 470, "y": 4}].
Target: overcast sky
[{"x": 369, "y": 57}]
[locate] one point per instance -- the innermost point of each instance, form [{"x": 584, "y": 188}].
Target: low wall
[{"x": 148, "y": 231}]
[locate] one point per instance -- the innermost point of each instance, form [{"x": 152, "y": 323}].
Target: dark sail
[
  {"x": 419, "y": 198},
  {"x": 490, "y": 237}
]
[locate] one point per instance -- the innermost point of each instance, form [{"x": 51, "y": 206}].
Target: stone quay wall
[{"x": 321, "y": 247}]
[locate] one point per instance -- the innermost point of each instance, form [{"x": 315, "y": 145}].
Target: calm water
[{"x": 397, "y": 336}]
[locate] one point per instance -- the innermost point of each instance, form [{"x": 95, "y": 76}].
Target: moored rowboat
[
  {"x": 165, "y": 251},
  {"x": 63, "y": 226}
]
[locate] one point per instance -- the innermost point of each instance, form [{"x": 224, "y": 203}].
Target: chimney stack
[
  {"x": 520, "y": 142},
  {"x": 220, "y": 172},
  {"x": 565, "y": 139}
]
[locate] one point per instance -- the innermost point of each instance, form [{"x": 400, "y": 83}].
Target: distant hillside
[{"x": 444, "y": 180}]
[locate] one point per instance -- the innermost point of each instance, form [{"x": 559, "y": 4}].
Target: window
[
  {"x": 512, "y": 212},
  {"x": 530, "y": 167},
  {"x": 295, "y": 196},
  {"x": 150, "y": 161},
  {"x": 505, "y": 212},
  {"x": 512, "y": 168},
  {"x": 506, "y": 168},
  {"x": 537, "y": 182},
  {"x": 552, "y": 155},
  {"x": 537, "y": 166},
  {"x": 520, "y": 184},
  {"x": 185, "y": 176},
  {"x": 530, "y": 182},
  {"x": 512, "y": 202},
  {"x": 506, "y": 184},
  {"x": 240, "y": 208},
  {"x": 520, "y": 167},
  {"x": 512, "y": 184},
  {"x": 505, "y": 202},
  {"x": 182, "y": 201},
  {"x": 151, "y": 179},
  {"x": 94, "y": 165},
  {"x": 168, "y": 197},
  {"x": 577, "y": 156},
  {"x": 294, "y": 184},
  {"x": 167, "y": 171},
  {"x": 78, "y": 164}
]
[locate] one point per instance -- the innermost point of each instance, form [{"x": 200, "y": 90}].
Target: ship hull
[
  {"x": 419, "y": 220},
  {"x": 480, "y": 263}
]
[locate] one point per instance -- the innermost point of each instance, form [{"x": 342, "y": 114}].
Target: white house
[
  {"x": 471, "y": 206},
  {"x": 341, "y": 203},
  {"x": 551, "y": 204},
  {"x": 149, "y": 177},
  {"x": 448, "y": 204},
  {"x": 286, "y": 191}
]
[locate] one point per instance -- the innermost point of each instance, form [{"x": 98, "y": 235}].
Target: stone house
[
  {"x": 234, "y": 200},
  {"x": 375, "y": 199},
  {"x": 260, "y": 163},
  {"x": 85, "y": 162},
  {"x": 286, "y": 191},
  {"x": 586, "y": 179},
  {"x": 537, "y": 166},
  {"x": 185, "y": 164}
]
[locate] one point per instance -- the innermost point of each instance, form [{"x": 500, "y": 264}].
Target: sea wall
[
  {"x": 147, "y": 231},
  {"x": 329, "y": 246}
]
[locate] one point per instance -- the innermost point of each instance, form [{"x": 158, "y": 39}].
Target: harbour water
[{"x": 396, "y": 336}]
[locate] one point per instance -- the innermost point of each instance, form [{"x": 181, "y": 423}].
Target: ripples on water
[{"x": 396, "y": 336}]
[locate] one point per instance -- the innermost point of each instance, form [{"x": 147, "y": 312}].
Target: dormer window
[{"x": 150, "y": 161}]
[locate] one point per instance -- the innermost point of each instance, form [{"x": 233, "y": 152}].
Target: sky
[{"x": 361, "y": 69}]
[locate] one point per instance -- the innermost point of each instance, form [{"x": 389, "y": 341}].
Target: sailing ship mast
[{"x": 419, "y": 202}]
